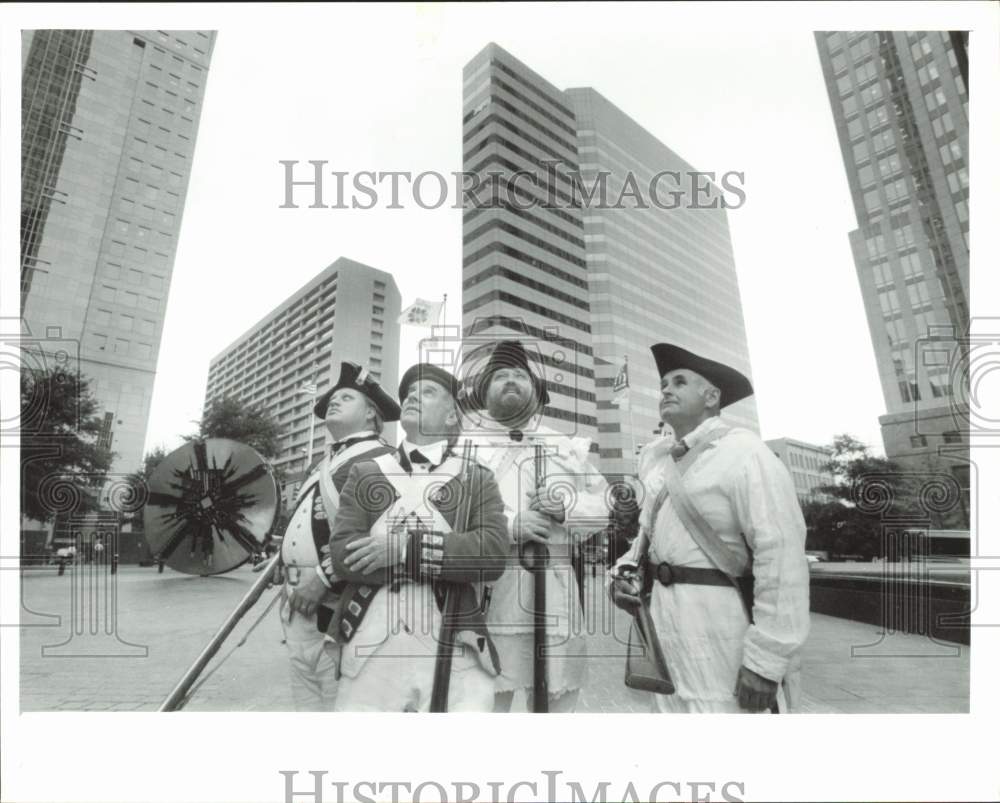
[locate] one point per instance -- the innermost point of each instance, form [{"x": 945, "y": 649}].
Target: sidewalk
[{"x": 173, "y": 617}]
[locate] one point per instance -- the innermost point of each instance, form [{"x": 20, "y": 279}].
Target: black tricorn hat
[
  {"x": 432, "y": 373},
  {"x": 357, "y": 378},
  {"x": 732, "y": 384},
  {"x": 506, "y": 354}
]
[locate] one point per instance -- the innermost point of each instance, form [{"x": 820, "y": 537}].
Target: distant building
[
  {"x": 524, "y": 270},
  {"x": 805, "y": 462},
  {"x": 349, "y": 311},
  {"x": 589, "y": 285},
  {"x": 900, "y": 106},
  {"x": 655, "y": 275},
  {"x": 108, "y": 123}
]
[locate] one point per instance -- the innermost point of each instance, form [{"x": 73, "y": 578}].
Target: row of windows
[
  {"x": 128, "y": 298},
  {"x": 525, "y": 237},
  {"x": 128, "y": 323},
  {"x": 120, "y": 346},
  {"x": 521, "y": 329},
  {"x": 498, "y": 295},
  {"x": 517, "y": 278}
]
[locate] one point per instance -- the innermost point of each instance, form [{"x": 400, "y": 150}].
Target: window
[
  {"x": 854, "y": 129},
  {"x": 872, "y": 202},
  {"x": 878, "y": 116},
  {"x": 866, "y": 72},
  {"x": 889, "y": 165},
  {"x": 870, "y": 94},
  {"x": 860, "y": 153},
  {"x": 839, "y": 63},
  {"x": 128, "y": 298},
  {"x": 121, "y": 346},
  {"x": 903, "y": 235},
  {"x": 844, "y": 85},
  {"x": 924, "y": 320},
  {"x": 142, "y": 351},
  {"x": 98, "y": 342},
  {"x": 866, "y": 175},
  {"x": 911, "y": 265},
  {"x": 134, "y": 276},
  {"x": 883, "y": 275},
  {"x": 102, "y": 317},
  {"x": 918, "y": 294},
  {"x": 126, "y": 322},
  {"x": 378, "y": 310},
  {"x": 917, "y": 441},
  {"x": 850, "y": 105},
  {"x": 889, "y": 302},
  {"x": 894, "y": 332},
  {"x": 883, "y": 140},
  {"x": 146, "y": 327},
  {"x": 952, "y": 437},
  {"x": 107, "y": 293}
]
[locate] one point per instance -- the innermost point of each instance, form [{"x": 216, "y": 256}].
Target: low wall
[{"x": 897, "y": 601}]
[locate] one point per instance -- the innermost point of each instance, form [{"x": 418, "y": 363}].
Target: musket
[
  {"x": 536, "y": 557},
  {"x": 452, "y": 597},
  {"x": 178, "y": 697}
]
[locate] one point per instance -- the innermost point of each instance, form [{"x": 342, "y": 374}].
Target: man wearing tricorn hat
[
  {"x": 721, "y": 517},
  {"x": 507, "y": 400},
  {"x": 354, "y": 410},
  {"x": 416, "y": 529}
]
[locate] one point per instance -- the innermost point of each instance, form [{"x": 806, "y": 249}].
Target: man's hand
[
  {"x": 375, "y": 552},
  {"x": 542, "y": 501},
  {"x": 756, "y": 693},
  {"x": 530, "y": 525},
  {"x": 307, "y": 595},
  {"x": 625, "y": 593}
]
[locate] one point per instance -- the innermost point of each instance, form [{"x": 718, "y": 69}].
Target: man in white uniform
[
  {"x": 570, "y": 506},
  {"x": 719, "y": 660},
  {"x": 354, "y": 410}
]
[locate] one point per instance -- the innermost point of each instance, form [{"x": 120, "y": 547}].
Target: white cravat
[{"x": 434, "y": 452}]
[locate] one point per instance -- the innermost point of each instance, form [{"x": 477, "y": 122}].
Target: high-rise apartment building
[
  {"x": 350, "y": 312},
  {"x": 109, "y": 122},
  {"x": 546, "y": 258},
  {"x": 524, "y": 268},
  {"x": 806, "y": 463},
  {"x": 655, "y": 274},
  {"x": 901, "y": 110}
]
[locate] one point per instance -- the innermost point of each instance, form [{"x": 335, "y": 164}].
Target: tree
[
  {"x": 866, "y": 492},
  {"x": 63, "y": 462},
  {"x": 228, "y": 417}
]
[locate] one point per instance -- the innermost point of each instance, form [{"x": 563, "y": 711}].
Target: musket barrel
[{"x": 178, "y": 697}]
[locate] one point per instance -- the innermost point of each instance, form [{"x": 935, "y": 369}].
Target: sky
[{"x": 362, "y": 95}]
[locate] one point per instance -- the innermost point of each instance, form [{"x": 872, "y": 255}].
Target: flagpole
[
  {"x": 631, "y": 426},
  {"x": 444, "y": 311}
]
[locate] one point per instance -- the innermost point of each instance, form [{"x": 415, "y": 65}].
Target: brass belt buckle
[{"x": 664, "y": 573}]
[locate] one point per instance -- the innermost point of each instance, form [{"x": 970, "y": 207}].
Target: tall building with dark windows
[
  {"x": 108, "y": 126},
  {"x": 349, "y": 311},
  {"x": 655, "y": 274},
  {"x": 524, "y": 267},
  {"x": 547, "y": 258},
  {"x": 900, "y": 106}
]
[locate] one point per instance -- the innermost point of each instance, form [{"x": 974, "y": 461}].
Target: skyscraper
[
  {"x": 109, "y": 122},
  {"x": 901, "y": 110},
  {"x": 348, "y": 311},
  {"x": 655, "y": 274},
  {"x": 524, "y": 268},
  {"x": 547, "y": 257}
]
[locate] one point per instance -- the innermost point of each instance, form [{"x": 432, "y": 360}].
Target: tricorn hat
[
  {"x": 506, "y": 354},
  {"x": 732, "y": 384},
  {"x": 357, "y": 378},
  {"x": 432, "y": 373}
]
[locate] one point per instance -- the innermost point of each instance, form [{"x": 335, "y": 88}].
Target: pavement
[{"x": 91, "y": 641}]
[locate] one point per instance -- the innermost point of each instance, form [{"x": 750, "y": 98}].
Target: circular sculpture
[{"x": 211, "y": 505}]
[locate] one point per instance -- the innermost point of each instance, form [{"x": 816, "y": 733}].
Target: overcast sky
[{"x": 363, "y": 96}]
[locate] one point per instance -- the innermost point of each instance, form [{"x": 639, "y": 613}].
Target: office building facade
[
  {"x": 546, "y": 259},
  {"x": 806, "y": 462},
  {"x": 900, "y": 106},
  {"x": 349, "y": 312},
  {"x": 109, "y": 123},
  {"x": 655, "y": 274},
  {"x": 524, "y": 269}
]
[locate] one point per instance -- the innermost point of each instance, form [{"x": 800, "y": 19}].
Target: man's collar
[
  {"x": 434, "y": 452},
  {"x": 699, "y": 432},
  {"x": 354, "y": 436}
]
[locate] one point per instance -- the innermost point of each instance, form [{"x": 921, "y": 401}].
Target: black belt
[{"x": 668, "y": 575}]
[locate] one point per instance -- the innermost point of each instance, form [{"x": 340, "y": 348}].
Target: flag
[
  {"x": 309, "y": 388},
  {"x": 422, "y": 313},
  {"x": 619, "y": 391}
]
